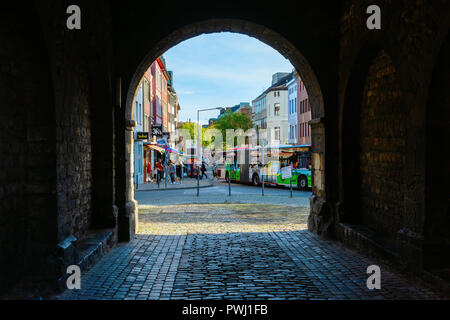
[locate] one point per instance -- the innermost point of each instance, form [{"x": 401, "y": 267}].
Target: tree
[
  {"x": 192, "y": 128},
  {"x": 231, "y": 120}
]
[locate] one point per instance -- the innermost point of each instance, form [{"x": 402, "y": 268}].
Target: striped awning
[{"x": 159, "y": 149}]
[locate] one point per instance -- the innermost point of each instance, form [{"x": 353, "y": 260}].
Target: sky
[{"x": 221, "y": 70}]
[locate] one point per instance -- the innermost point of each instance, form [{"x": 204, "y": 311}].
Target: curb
[{"x": 182, "y": 188}]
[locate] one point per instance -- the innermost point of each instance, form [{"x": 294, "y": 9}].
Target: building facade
[
  {"x": 157, "y": 108},
  {"x": 259, "y": 117},
  {"x": 304, "y": 114},
  {"x": 292, "y": 109},
  {"x": 157, "y": 89},
  {"x": 138, "y": 144},
  {"x": 147, "y": 124},
  {"x": 271, "y": 111}
]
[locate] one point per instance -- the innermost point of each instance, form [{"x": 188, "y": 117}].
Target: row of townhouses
[
  {"x": 284, "y": 111},
  {"x": 156, "y": 111}
]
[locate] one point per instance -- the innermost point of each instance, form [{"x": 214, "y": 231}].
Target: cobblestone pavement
[
  {"x": 220, "y": 218},
  {"x": 197, "y": 252}
]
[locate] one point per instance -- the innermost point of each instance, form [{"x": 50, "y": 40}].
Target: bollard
[{"x": 290, "y": 179}]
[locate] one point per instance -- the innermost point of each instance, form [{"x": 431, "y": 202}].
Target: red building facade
[
  {"x": 304, "y": 114},
  {"x": 157, "y": 80},
  {"x": 160, "y": 96}
]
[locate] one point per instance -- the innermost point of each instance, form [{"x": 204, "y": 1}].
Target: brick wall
[
  {"x": 74, "y": 168},
  {"x": 382, "y": 145}
]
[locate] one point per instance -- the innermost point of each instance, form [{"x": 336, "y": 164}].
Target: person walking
[
  {"x": 159, "y": 171},
  {"x": 195, "y": 171},
  {"x": 172, "y": 171},
  {"x": 203, "y": 171},
  {"x": 215, "y": 167},
  {"x": 179, "y": 170},
  {"x": 149, "y": 172}
]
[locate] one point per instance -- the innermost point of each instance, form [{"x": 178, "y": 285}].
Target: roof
[{"x": 281, "y": 84}]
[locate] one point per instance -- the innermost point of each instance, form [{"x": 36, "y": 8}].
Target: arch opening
[{"x": 269, "y": 37}]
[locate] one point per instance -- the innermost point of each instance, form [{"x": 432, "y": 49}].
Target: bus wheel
[
  {"x": 255, "y": 180},
  {"x": 227, "y": 177},
  {"x": 302, "y": 183}
]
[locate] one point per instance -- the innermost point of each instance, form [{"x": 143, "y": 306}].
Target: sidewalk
[{"x": 186, "y": 183}]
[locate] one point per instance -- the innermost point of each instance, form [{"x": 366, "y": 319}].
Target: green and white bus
[{"x": 297, "y": 157}]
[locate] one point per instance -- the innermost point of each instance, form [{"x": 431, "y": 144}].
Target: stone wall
[
  {"x": 382, "y": 172},
  {"x": 57, "y": 173},
  {"x": 74, "y": 167},
  {"x": 80, "y": 66},
  {"x": 382, "y": 148}
]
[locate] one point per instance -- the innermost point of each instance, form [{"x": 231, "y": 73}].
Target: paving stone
[{"x": 234, "y": 251}]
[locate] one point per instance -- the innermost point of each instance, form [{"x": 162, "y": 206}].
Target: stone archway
[{"x": 271, "y": 38}]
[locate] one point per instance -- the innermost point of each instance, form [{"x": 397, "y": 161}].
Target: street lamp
[{"x": 198, "y": 142}]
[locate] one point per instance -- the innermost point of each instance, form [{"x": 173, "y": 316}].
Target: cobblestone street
[{"x": 234, "y": 251}]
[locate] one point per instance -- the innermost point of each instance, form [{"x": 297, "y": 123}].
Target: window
[
  {"x": 295, "y": 105},
  {"x": 274, "y": 93},
  {"x": 276, "y": 109},
  {"x": 136, "y": 110},
  {"x": 277, "y": 133}
]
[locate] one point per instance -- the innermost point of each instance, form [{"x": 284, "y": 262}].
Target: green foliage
[
  {"x": 192, "y": 127},
  {"x": 231, "y": 120}
]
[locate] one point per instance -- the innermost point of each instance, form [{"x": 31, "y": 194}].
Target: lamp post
[{"x": 198, "y": 143}]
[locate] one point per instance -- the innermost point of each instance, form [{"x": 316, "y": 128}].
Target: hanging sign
[
  {"x": 157, "y": 130},
  {"x": 142, "y": 135}
]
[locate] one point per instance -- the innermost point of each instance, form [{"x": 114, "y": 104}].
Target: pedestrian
[
  {"x": 159, "y": 171},
  {"x": 195, "y": 171},
  {"x": 203, "y": 170},
  {"x": 179, "y": 170},
  {"x": 215, "y": 167},
  {"x": 172, "y": 171},
  {"x": 149, "y": 172}
]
